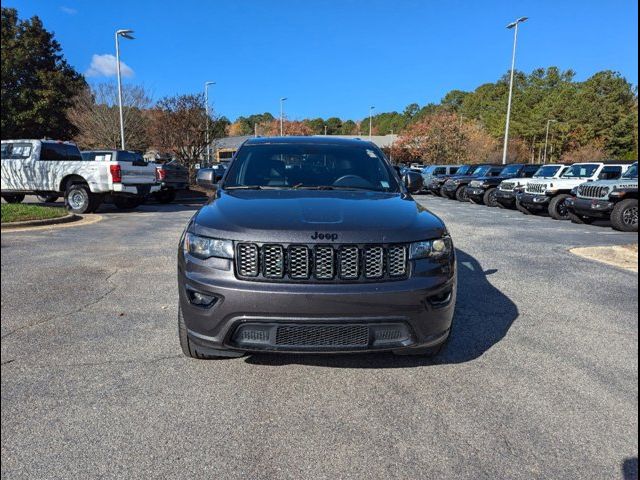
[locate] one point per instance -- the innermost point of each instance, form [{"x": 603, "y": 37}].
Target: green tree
[{"x": 38, "y": 85}]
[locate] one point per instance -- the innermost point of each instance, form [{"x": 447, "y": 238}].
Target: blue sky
[{"x": 335, "y": 58}]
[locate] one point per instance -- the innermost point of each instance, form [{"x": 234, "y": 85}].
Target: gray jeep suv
[{"x": 312, "y": 244}]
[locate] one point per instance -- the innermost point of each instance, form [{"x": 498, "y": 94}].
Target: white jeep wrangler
[
  {"x": 50, "y": 169},
  {"x": 551, "y": 195},
  {"x": 506, "y": 195}
]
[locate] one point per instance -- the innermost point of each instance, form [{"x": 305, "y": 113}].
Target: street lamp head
[
  {"x": 125, "y": 33},
  {"x": 520, "y": 20},
  {"x": 283, "y": 99},
  {"x": 209, "y": 83}
]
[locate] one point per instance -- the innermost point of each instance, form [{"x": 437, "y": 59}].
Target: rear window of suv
[{"x": 16, "y": 151}]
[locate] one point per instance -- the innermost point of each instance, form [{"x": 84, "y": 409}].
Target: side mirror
[
  {"x": 206, "y": 178},
  {"x": 413, "y": 182}
]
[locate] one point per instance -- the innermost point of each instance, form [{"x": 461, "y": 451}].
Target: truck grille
[
  {"x": 536, "y": 187},
  {"x": 593, "y": 191},
  {"x": 507, "y": 186},
  {"x": 321, "y": 263},
  {"x": 323, "y": 335}
]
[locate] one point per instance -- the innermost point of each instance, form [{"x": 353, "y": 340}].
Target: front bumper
[
  {"x": 533, "y": 201},
  {"x": 250, "y": 316},
  {"x": 588, "y": 207},
  {"x": 506, "y": 198},
  {"x": 476, "y": 194}
]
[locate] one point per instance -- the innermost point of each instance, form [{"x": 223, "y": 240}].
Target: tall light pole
[
  {"x": 282, "y": 115},
  {"x": 126, "y": 33},
  {"x": 546, "y": 139},
  {"x": 370, "y": 120},
  {"x": 206, "y": 108},
  {"x": 514, "y": 26}
]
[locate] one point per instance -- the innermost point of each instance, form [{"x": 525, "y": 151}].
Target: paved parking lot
[{"x": 539, "y": 380}]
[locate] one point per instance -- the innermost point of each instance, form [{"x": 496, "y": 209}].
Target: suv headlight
[
  {"x": 204, "y": 247},
  {"x": 439, "y": 248}
]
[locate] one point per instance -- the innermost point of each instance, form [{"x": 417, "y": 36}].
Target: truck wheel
[
  {"x": 13, "y": 197},
  {"x": 79, "y": 199},
  {"x": 441, "y": 192},
  {"x": 490, "y": 199},
  {"x": 48, "y": 198},
  {"x": 127, "y": 203},
  {"x": 166, "y": 196},
  {"x": 522, "y": 209},
  {"x": 189, "y": 349},
  {"x": 625, "y": 216},
  {"x": 461, "y": 194},
  {"x": 558, "y": 207},
  {"x": 579, "y": 220}
]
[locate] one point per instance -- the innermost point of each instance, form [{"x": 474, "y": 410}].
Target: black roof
[{"x": 317, "y": 140}]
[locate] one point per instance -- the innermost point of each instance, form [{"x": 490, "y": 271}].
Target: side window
[
  {"x": 440, "y": 171},
  {"x": 610, "y": 173},
  {"x": 72, "y": 153},
  {"x": 494, "y": 172},
  {"x": 453, "y": 170},
  {"x": 53, "y": 151},
  {"x": 6, "y": 151}
]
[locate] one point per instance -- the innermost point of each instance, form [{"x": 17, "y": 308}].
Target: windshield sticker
[{"x": 371, "y": 153}]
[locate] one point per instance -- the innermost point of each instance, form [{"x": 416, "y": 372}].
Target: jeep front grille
[
  {"x": 593, "y": 191},
  {"x": 507, "y": 186},
  {"x": 536, "y": 187},
  {"x": 321, "y": 263}
]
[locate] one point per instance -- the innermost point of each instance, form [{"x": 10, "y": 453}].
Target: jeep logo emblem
[{"x": 324, "y": 236}]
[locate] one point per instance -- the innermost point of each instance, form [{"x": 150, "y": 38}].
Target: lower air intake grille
[{"x": 323, "y": 335}]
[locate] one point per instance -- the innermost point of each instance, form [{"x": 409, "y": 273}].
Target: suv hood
[
  {"x": 295, "y": 216},
  {"x": 618, "y": 183}
]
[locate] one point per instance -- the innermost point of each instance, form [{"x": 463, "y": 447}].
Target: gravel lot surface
[{"x": 540, "y": 379}]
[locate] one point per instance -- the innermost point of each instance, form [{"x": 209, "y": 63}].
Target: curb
[{"x": 39, "y": 223}]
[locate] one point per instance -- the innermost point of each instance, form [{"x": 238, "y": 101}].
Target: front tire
[
  {"x": 558, "y": 207},
  {"x": 625, "y": 216},
  {"x": 442, "y": 192},
  {"x": 166, "y": 196},
  {"x": 13, "y": 197},
  {"x": 79, "y": 199},
  {"x": 490, "y": 199},
  {"x": 461, "y": 194}
]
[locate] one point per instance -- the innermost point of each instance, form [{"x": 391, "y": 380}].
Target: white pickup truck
[{"x": 50, "y": 168}]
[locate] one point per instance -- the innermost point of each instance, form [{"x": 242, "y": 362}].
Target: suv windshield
[
  {"x": 300, "y": 166},
  {"x": 547, "y": 171},
  {"x": 584, "y": 170},
  {"x": 481, "y": 171},
  {"x": 632, "y": 172},
  {"x": 510, "y": 171}
]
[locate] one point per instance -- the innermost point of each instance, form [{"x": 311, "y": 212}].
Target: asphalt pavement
[{"x": 540, "y": 379}]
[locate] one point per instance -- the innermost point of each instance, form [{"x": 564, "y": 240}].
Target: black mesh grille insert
[
  {"x": 322, "y": 263},
  {"x": 323, "y": 335}
]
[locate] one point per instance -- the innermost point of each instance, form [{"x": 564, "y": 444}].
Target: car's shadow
[{"x": 483, "y": 317}]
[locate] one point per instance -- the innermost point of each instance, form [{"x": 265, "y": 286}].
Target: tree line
[{"x": 43, "y": 96}]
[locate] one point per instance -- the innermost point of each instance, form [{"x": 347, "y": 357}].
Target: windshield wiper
[{"x": 243, "y": 187}]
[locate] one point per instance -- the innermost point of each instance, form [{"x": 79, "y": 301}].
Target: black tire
[
  {"x": 558, "y": 208},
  {"x": 489, "y": 198},
  {"x": 441, "y": 192},
  {"x": 461, "y": 194},
  {"x": 522, "y": 209},
  {"x": 127, "y": 202},
  {"x": 579, "y": 220},
  {"x": 188, "y": 348},
  {"x": 13, "y": 197},
  {"x": 48, "y": 198},
  {"x": 79, "y": 199},
  {"x": 166, "y": 196},
  {"x": 624, "y": 216}
]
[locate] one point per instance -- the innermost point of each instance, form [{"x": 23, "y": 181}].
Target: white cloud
[
  {"x": 68, "y": 10},
  {"x": 105, "y": 66}
]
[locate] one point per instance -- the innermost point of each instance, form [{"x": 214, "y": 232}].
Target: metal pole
[
  {"x": 370, "y": 120},
  {"x": 206, "y": 109},
  {"x": 119, "y": 92},
  {"x": 282, "y": 115},
  {"x": 546, "y": 140},
  {"x": 325, "y": 130},
  {"x": 513, "y": 66}
]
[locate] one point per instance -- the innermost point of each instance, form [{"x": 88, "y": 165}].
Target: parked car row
[
  {"x": 581, "y": 192},
  {"x": 52, "y": 169}
]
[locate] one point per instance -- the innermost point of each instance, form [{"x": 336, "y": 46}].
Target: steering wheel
[{"x": 352, "y": 181}]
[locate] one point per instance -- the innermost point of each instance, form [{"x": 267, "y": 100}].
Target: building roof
[{"x": 381, "y": 141}]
